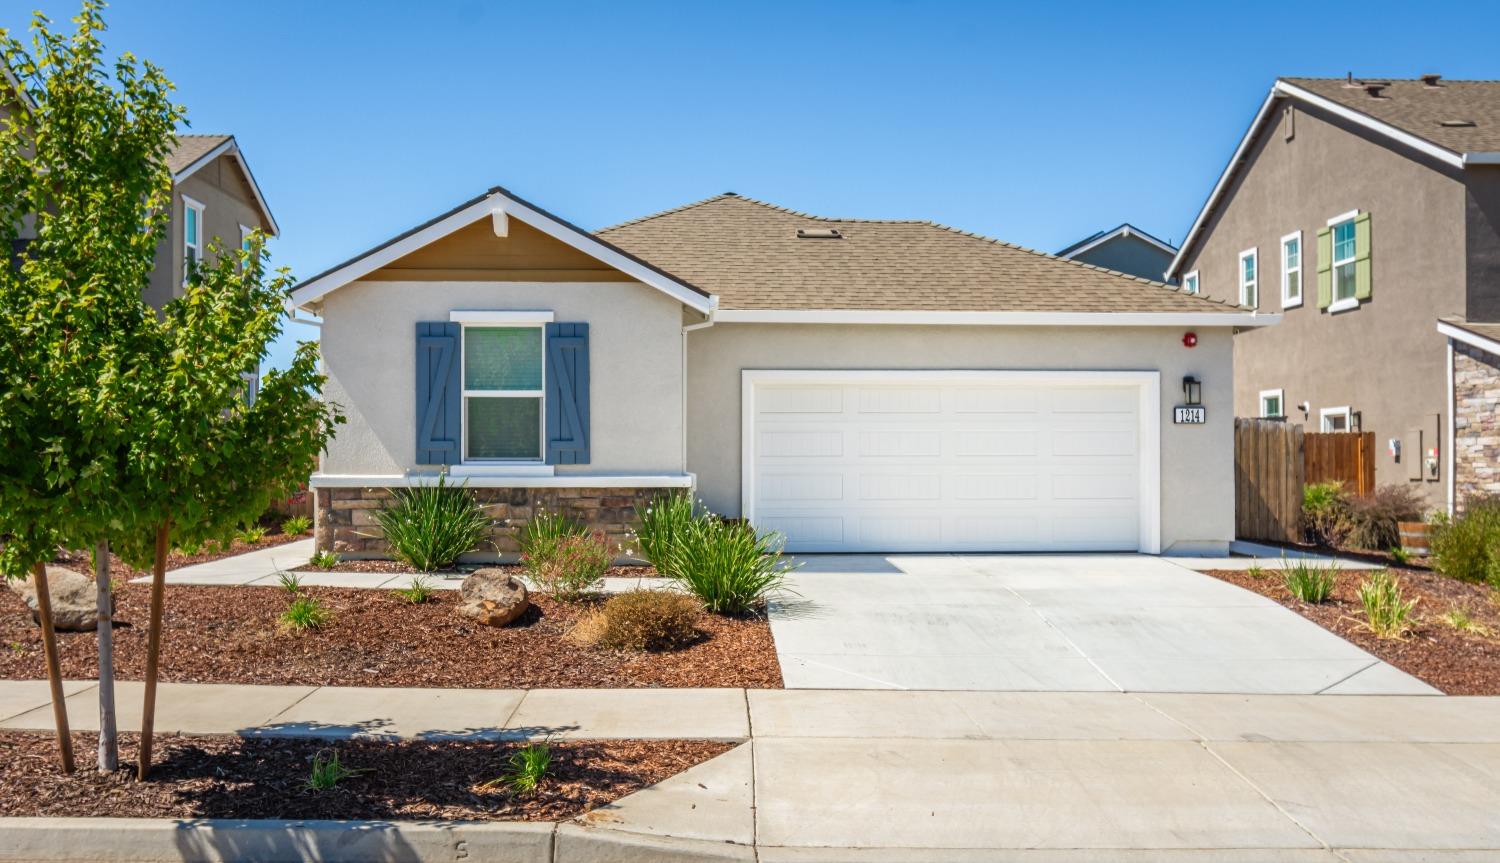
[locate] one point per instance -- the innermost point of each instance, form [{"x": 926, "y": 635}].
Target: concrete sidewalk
[{"x": 891, "y": 775}]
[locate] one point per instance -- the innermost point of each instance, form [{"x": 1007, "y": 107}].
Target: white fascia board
[
  {"x": 514, "y": 481},
  {"x": 1472, "y": 339},
  {"x": 232, "y": 148},
  {"x": 1360, "y": 118},
  {"x": 1122, "y": 231},
  {"x": 1012, "y": 319},
  {"x": 1481, "y": 158}
]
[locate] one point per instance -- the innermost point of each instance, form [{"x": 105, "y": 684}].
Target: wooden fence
[
  {"x": 1268, "y": 476},
  {"x": 1348, "y": 457}
]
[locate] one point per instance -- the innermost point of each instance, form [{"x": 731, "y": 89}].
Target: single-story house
[{"x": 857, "y": 385}]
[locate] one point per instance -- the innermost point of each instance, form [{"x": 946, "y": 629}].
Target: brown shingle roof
[
  {"x": 748, "y": 253},
  {"x": 1414, "y": 107},
  {"x": 191, "y": 148}
]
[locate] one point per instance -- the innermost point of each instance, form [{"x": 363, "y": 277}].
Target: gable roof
[
  {"x": 1409, "y": 113},
  {"x": 193, "y": 152},
  {"x": 500, "y": 204},
  {"x": 1125, "y": 229},
  {"x": 749, "y": 253}
]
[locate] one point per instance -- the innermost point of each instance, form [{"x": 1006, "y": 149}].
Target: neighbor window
[
  {"x": 1249, "y": 294},
  {"x": 1271, "y": 402},
  {"x": 192, "y": 236},
  {"x": 1291, "y": 270},
  {"x": 245, "y": 232},
  {"x": 502, "y": 374},
  {"x": 1334, "y": 419},
  {"x": 1345, "y": 249},
  {"x": 1190, "y": 282}
]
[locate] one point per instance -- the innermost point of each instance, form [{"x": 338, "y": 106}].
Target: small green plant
[
  {"x": 728, "y": 565},
  {"x": 1309, "y": 583},
  {"x": 250, "y": 534},
  {"x": 1256, "y": 571},
  {"x": 1386, "y": 613},
  {"x": 573, "y": 568},
  {"x": 1400, "y": 555},
  {"x": 429, "y": 526},
  {"x": 190, "y": 549},
  {"x": 324, "y": 560},
  {"x": 296, "y": 525},
  {"x": 541, "y": 537},
  {"x": 1325, "y": 510},
  {"x": 17, "y": 647},
  {"x": 662, "y": 526},
  {"x": 529, "y": 765},
  {"x": 1461, "y": 620},
  {"x": 328, "y": 771},
  {"x": 305, "y": 613},
  {"x": 650, "y": 620},
  {"x": 290, "y": 582},
  {"x": 416, "y": 593}
]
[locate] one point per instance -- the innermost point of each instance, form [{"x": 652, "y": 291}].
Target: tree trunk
[
  {"x": 109, "y": 745},
  {"x": 153, "y": 650},
  {"x": 54, "y": 668}
]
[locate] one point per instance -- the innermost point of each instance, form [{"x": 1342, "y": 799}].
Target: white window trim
[
  {"x": 1342, "y": 217},
  {"x": 1254, "y": 255},
  {"x": 1326, "y": 413},
  {"x": 198, "y": 208},
  {"x": 1340, "y": 305},
  {"x": 1279, "y": 396},
  {"x": 1197, "y": 283},
  {"x": 1287, "y": 300},
  {"x": 499, "y": 467}
]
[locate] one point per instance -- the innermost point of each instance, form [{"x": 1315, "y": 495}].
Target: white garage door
[{"x": 952, "y": 461}]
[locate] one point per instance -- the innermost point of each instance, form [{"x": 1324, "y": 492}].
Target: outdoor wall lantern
[{"x": 1192, "y": 391}]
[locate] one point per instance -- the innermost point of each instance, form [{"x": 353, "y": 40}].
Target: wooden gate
[
  {"x": 1348, "y": 457},
  {"x": 1268, "y": 476}
]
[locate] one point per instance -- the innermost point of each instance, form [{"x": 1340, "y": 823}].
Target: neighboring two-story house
[
  {"x": 1364, "y": 212},
  {"x": 1125, "y": 249}
]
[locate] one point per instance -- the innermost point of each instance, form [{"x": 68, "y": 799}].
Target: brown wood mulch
[
  {"x": 232, "y": 635},
  {"x": 396, "y": 567},
  {"x": 1457, "y": 662},
  {"x": 78, "y": 561},
  {"x": 231, "y": 777}
]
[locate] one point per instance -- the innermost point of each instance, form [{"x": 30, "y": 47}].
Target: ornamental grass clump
[
  {"x": 304, "y": 613},
  {"x": 662, "y": 524},
  {"x": 1386, "y": 613},
  {"x": 296, "y": 525},
  {"x": 529, "y": 765},
  {"x": 429, "y": 526},
  {"x": 1311, "y": 584},
  {"x": 728, "y": 565}
]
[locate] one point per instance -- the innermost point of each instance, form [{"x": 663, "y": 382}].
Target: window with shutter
[{"x": 568, "y": 393}]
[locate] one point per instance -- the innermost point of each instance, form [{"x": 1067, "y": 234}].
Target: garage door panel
[
  {"x": 927, "y": 486},
  {"x": 1001, "y": 530},
  {"x": 800, "y": 400},
  {"x": 896, "y": 443},
  {"x": 900, "y": 532},
  {"x": 1096, "y": 400},
  {"x": 996, "y": 486},
  {"x": 802, "y": 444},
  {"x": 803, "y": 486},
  {"x": 998, "y": 442},
  {"x": 1093, "y": 443},
  {"x": 1007, "y": 400},
  {"x": 900, "y": 400},
  {"x": 1085, "y": 486},
  {"x": 822, "y": 532}
]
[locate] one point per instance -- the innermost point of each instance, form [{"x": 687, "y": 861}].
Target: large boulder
[
  {"x": 492, "y": 597},
  {"x": 74, "y": 602}
]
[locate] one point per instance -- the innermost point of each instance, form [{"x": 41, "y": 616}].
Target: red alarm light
[{"x": 1190, "y": 340}]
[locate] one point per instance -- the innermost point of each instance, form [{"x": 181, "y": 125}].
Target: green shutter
[
  {"x": 1362, "y": 256},
  {"x": 1325, "y": 267}
]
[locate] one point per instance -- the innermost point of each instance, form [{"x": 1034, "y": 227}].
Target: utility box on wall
[
  {"x": 1431, "y": 453},
  {"x": 1411, "y": 454}
]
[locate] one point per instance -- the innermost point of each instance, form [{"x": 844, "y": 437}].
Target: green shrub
[
  {"x": 1372, "y": 522},
  {"x": 328, "y": 771},
  {"x": 324, "y": 560},
  {"x": 573, "y": 568},
  {"x": 290, "y": 582},
  {"x": 662, "y": 525},
  {"x": 650, "y": 620},
  {"x": 416, "y": 593},
  {"x": 529, "y": 765},
  {"x": 251, "y": 534},
  {"x": 1386, "y": 613},
  {"x": 1468, "y": 547},
  {"x": 1307, "y": 582},
  {"x": 729, "y": 566},
  {"x": 429, "y": 526},
  {"x": 1400, "y": 555},
  {"x": 305, "y": 613},
  {"x": 296, "y": 525},
  {"x": 1325, "y": 510},
  {"x": 541, "y": 537}
]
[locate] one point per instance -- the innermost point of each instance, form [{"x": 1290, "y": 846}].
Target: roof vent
[
  {"x": 1457, "y": 124},
  {"x": 819, "y": 234},
  {"x": 1374, "y": 88},
  {"x": 1431, "y": 79}
]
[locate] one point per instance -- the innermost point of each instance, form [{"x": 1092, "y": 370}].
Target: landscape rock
[
  {"x": 74, "y": 607},
  {"x": 492, "y": 597}
]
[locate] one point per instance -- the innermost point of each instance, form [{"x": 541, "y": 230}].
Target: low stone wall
[
  {"x": 346, "y": 521},
  {"x": 1476, "y": 423}
]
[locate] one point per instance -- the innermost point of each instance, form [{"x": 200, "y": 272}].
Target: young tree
[{"x": 82, "y": 172}]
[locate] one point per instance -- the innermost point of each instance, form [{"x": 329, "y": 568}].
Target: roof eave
[
  {"x": 1456, "y": 330},
  {"x": 855, "y": 317},
  {"x": 231, "y": 148}
]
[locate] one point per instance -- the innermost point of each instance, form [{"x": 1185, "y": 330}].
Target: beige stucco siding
[
  {"x": 1383, "y": 359},
  {"x": 1197, "y": 462},
  {"x": 635, "y": 365},
  {"x": 228, "y": 202}
]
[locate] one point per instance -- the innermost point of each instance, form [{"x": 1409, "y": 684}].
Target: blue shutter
[
  {"x": 439, "y": 392},
  {"x": 567, "y": 394}
]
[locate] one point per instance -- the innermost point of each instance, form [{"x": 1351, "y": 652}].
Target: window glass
[
  {"x": 1270, "y": 406},
  {"x": 191, "y": 223},
  {"x": 1190, "y": 284},
  {"x": 1291, "y": 268},
  {"x": 504, "y": 428},
  {"x": 502, "y": 358},
  {"x": 1343, "y": 260},
  {"x": 1249, "y": 296}
]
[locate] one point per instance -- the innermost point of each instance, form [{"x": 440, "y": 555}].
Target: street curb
[{"x": 167, "y": 840}]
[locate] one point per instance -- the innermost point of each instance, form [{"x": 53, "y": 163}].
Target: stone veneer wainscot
[
  {"x": 1476, "y": 423},
  {"x": 346, "y": 520}
]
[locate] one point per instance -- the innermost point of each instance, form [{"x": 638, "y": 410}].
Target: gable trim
[
  {"x": 1472, "y": 339},
  {"x": 1125, "y": 230},
  {"x": 495, "y": 201},
  {"x": 230, "y": 148}
]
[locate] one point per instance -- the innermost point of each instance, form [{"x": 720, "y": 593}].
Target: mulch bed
[
  {"x": 232, "y": 635},
  {"x": 1457, "y": 662},
  {"x": 231, "y": 777},
  {"x": 78, "y": 561},
  {"x": 396, "y": 567}
]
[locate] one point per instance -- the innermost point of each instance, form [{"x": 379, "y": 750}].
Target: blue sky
[{"x": 1036, "y": 123}]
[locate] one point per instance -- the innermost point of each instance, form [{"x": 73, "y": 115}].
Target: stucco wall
[
  {"x": 228, "y": 202},
  {"x": 635, "y": 365},
  {"x": 1383, "y": 359},
  {"x": 1197, "y": 462}
]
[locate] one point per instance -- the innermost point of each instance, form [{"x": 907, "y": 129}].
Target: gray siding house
[
  {"x": 1125, "y": 249},
  {"x": 1364, "y": 211}
]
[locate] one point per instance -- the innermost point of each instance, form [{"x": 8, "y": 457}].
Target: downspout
[
  {"x": 1451, "y": 435},
  {"x": 685, "y": 330}
]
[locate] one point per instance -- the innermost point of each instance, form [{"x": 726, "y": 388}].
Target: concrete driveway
[{"x": 1061, "y": 623}]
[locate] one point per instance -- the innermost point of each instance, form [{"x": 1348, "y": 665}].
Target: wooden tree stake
[
  {"x": 153, "y": 651},
  {"x": 109, "y": 745},
  {"x": 54, "y": 667}
]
